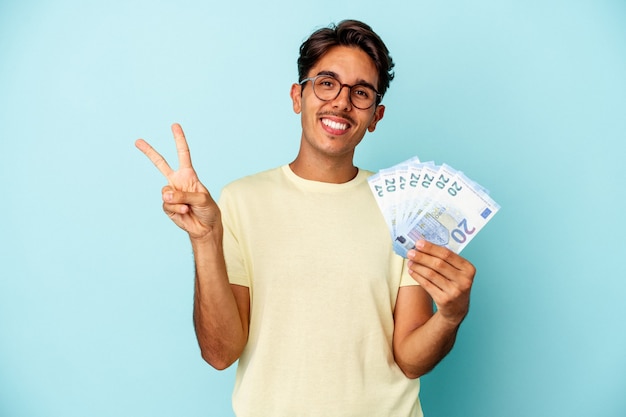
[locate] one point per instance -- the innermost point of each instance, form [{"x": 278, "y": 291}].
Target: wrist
[
  {"x": 208, "y": 251},
  {"x": 450, "y": 324},
  {"x": 210, "y": 238}
]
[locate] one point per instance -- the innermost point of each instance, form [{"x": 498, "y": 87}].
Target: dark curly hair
[{"x": 347, "y": 33}]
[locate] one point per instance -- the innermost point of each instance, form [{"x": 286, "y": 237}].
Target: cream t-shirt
[{"x": 323, "y": 280}]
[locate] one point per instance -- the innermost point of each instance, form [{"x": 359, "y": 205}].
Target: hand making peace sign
[{"x": 185, "y": 200}]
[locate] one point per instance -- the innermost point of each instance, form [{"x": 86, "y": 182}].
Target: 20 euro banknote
[
  {"x": 421, "y": 200},
  {"x": 456, "y": 211}
]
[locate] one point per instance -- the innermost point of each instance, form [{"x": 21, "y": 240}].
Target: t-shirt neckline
[{"x": 324, "y": 186}]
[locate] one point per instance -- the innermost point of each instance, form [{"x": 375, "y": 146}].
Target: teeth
[{"x": 335, "y": 125}]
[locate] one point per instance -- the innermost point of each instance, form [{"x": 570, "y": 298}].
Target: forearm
[
  {"x": 422, "y": 349},
  {"x": 220, "y": 328}
]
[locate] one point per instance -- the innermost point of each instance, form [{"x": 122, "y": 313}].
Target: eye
[
  {"x": 363, "y": 92},
  {"x": 328, "y": 83}
]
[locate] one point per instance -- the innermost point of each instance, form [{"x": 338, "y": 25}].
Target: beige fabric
[{"x": 323, "y": 281}]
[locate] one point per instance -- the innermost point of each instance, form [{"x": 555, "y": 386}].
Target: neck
[{"x": 336, "y": 172}]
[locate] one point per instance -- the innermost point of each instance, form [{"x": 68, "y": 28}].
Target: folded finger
[
  {"x": 427, "y": 277},
  {"x": 172, "y": 209}
]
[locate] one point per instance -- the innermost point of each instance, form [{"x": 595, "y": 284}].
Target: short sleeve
[
  {"x": 233, "y": 253},
  {"x": 406, "y": 280}
]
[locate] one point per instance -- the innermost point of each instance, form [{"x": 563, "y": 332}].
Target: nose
[{"x": 342, "y": 100}]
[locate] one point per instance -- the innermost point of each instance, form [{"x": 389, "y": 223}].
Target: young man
[{"x": 295, "y": 273}]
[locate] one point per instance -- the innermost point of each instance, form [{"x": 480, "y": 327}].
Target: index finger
[
  {"x": 440, "y": 252},
  {"x": 184, "y": 156},
  {"x": 155, "y": 157}
]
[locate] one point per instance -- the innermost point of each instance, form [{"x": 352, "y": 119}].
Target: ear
[
  {"x": 379, "y": 112},
  {"x": 296, "y": 97}
]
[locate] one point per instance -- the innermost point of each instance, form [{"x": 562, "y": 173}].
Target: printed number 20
[{"x": 460, "y": 235}]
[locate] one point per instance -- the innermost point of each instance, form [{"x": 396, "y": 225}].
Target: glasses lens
[
  {"x": 328, "y": 88},
  {"x": 362, "y": 96}
]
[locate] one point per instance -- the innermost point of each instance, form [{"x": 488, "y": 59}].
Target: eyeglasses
[{"x": 327, "y": 87}]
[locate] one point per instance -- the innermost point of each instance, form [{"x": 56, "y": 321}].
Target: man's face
[{"x": 334, "y": 128}]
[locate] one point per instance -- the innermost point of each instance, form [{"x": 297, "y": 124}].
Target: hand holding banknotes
[
  {"x": 433, "y": 212},
  {"x": 445, "y": 276},
  {"x": 185, "y": 200}
]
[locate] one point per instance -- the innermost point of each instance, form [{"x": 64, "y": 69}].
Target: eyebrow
[{"x": 359, "y": 82}]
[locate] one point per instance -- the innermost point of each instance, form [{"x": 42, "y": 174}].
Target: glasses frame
[{"x": 350, "y": 87}]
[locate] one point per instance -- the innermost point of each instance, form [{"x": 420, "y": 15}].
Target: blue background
[{"x": 526, "y": 97}]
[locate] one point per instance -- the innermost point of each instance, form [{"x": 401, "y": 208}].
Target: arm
[
  {"x": 220, "y": 309},
  {"x": 422, "y": 339}
]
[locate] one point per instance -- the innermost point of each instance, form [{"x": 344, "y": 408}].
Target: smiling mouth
[{"x": 335, "y": 125}]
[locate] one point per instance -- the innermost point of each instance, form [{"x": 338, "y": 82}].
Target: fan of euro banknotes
[{"x": 422, "y": 200}]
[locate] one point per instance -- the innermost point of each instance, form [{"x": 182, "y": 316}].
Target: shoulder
[
  {"x": 253, "y": 181},
  {"x": 251, "y": 186}
]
